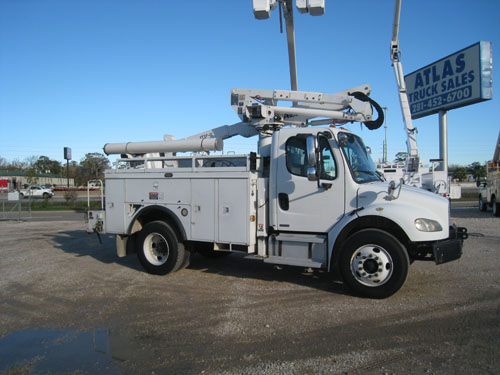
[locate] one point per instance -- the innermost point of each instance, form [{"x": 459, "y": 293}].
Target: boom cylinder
[{"x": 181, "y": 145}]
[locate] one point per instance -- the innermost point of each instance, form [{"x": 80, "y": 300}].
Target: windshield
[{"x": 360, "y": 163}]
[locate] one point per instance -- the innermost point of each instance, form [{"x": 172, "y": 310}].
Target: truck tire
[
  {"x": 496, "y": 207},
  {"x": 158, "y": 248},
  {"x": 373, "y": 263},
  {"x": 482, "y": 204},
  {"x": 186, "y": 261}
]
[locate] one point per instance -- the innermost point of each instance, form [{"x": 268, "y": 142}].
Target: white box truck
[{"x": 310, "y": 197}]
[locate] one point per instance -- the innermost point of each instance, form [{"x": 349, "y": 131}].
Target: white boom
[
  {"x": 261, "y": 114},
  {"x": 413, "y": 160}
]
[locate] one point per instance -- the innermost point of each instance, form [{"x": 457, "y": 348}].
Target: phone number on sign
[{"x": 443, "y": 99}]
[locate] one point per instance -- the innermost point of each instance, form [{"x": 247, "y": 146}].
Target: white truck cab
[{"x": 311, "y": 197}]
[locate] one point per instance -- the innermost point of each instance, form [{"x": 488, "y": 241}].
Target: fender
[
  {"x": 156, "y": 212},
  {"x": 335, "y": 240}
]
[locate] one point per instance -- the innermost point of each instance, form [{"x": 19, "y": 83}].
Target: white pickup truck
[{"x": 36, "y": 192}]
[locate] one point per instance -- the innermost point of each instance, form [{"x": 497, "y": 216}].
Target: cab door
[{"x": 303, "y": 205}]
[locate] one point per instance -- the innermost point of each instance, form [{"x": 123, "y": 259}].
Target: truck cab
[{"x": 372, "y": 229}]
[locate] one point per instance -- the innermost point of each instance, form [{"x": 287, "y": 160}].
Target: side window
[
  {"x": 296, "y": 156},
  {"x": 328, "y": 169}
]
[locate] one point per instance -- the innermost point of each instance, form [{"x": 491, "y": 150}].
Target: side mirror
[
  {"x": 343, "y": 140},
  {"x": 311, "y": 174},
  {"x": 311, "y": 158}
]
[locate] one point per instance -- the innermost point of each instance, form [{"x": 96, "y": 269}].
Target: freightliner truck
[{"x": 309, "y": 197}]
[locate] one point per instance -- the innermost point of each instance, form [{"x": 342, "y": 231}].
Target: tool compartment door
[
  {"x": 203, "y": 209},
  {"x": 115, "y": 211},
  {"x": 234, "y": 217}
]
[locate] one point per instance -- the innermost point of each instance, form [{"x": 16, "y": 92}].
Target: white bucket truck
[
  {"x": 310, "y": 197},
  {"x": 489, "y": 193}
]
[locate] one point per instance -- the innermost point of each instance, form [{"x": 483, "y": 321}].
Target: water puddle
[{"x": 46, "y": 351}]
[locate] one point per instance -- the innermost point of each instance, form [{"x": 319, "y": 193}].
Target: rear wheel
[
  {"x": 482, "y": 204},
  {"x": 158, "y": 248},
  {"x": 373, "y": 263}
]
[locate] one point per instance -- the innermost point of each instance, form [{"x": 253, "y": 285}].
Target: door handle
[{"x": 283, "y": 201}]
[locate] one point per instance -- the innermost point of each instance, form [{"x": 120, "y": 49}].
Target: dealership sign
[{"x": 460, "y": 79}]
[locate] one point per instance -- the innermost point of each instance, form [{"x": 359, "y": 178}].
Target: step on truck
[{"x": 309, "y": 197}]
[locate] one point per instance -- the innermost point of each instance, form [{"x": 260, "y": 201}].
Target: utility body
[{"x": 309, "y": 197}]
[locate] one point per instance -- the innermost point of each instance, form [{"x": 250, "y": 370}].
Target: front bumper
[{"x": 450, "y": 249}]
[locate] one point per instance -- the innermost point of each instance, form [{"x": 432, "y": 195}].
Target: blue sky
[{"x": 82, "y": 73}]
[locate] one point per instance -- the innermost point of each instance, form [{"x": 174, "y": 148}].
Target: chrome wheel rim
[
  {"x": 156, "y": 249},
  {"x": 371, "y": 265}
]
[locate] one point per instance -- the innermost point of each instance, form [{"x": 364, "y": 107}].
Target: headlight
[{"x": 428, "y": 225}]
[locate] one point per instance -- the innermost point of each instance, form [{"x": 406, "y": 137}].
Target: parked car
[{"x": 36, "y": 192}]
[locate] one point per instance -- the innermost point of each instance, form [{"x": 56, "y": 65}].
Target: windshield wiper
[{"x": 371, "y": 173}]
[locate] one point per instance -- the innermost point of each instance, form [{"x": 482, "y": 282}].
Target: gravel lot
[{"x": 71, "y": 307}]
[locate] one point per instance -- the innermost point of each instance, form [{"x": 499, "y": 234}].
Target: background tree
[
  {"x": 478, "y": 170},
  {"x": 460, "y": 173},
  {"x": 401, "y": 157},
  {"x": 16, "y": 165},
  {"x": 46, "y": 165},
  {"x": 29, "y": 162},
  {"x": 3, "y": 163},
  {"x": 31, "y": 177},
  {"x": 91, "y": 167}
]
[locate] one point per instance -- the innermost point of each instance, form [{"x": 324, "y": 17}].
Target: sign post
[{"x": 67, "y": 156}]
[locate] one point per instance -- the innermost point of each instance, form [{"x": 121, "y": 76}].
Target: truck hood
[{"x": 406, "y": 205}]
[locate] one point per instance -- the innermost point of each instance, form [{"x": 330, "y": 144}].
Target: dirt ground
[{"x": 71, "y": 307}]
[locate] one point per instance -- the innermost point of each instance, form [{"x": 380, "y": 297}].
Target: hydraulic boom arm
[
  {"x": 413, "y": 160},
  {"x": 259, "y": 112}
]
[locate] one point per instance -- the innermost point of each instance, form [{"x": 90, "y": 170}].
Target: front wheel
[
  {"x": 482, "y": 205},
  {"x": 373, "y": 263},
  {"x": 158, "y": 248}
]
